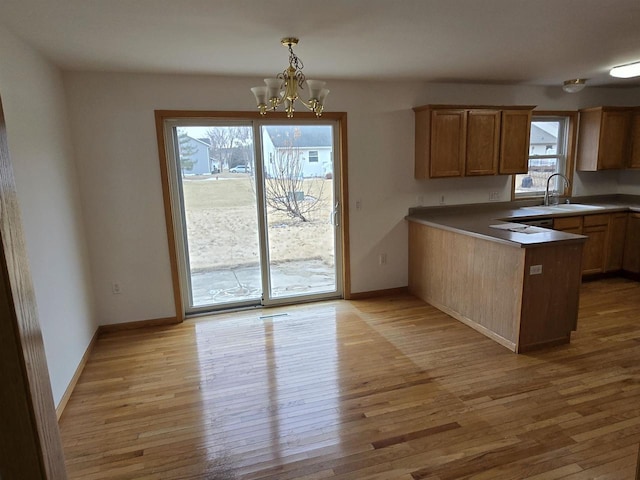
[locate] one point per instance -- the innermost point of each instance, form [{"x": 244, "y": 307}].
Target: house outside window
[
  {"x": 313, "y": 156},
  {"x": 549, "y": 145}
]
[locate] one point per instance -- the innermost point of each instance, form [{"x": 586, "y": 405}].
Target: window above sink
[{"x": 551, "y": 144}]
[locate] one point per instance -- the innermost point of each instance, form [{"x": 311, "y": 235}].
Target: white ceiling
[{"x": 538, "y": 42}]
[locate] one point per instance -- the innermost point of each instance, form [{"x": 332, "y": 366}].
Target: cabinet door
[
  {"x": 568, "y": 224},
  {"x": 631, "y": 261},
  {"x": 447, "y": 143},
  {"x": 514, "y": 141},
  {"x": 594, "y": 247},
  {"x": 588, "y": 140},
  {"x": 615, "y": 241},
  {"x": 483, "y": 142},
  {"x": 634, "y": 159},
  {"x": 614, "y": 145}
]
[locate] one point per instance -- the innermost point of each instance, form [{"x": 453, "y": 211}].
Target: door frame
[{"x": 341, "y": 142}]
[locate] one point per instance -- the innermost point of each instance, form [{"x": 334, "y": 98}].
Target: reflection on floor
[{"x": 388, "y": 388}]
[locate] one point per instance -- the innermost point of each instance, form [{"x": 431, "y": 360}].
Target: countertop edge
[{"x": 476, "y": 220}]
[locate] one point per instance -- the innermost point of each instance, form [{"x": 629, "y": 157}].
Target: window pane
[
  {"x": 544, "y": 138},
  {"x": 535, "y": 181},
  {"x": 547, "y": 148}
]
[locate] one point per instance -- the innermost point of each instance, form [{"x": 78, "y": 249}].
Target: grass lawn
[{"x": 222, "y": 224}]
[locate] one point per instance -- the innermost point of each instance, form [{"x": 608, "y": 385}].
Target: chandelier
[{"x": 283, "y": 90}]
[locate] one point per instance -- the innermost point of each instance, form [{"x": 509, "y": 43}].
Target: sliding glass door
[{"x": 255, "y": 208}]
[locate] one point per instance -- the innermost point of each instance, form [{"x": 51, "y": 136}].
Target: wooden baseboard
[
  {"x": 154, "y": 322},
  {"x": 378, "y": 293},
  {"x": 74, "y": 380},
  {"x": 99, "y": 331}
]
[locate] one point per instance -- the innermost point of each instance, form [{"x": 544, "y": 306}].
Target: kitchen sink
[{"x": 566, "y": 207}]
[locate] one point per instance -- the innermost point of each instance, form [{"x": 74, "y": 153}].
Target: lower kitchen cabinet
[
  {"x": 605, "y": 249},
  {"x": 615, "y": 241},
  {"x": 631, "y": 261}
]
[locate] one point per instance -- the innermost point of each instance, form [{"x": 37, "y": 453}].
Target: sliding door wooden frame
[{"x": 162, "y": 115}]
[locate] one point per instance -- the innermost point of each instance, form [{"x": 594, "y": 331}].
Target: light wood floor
[{"x": 389, "y": 388}]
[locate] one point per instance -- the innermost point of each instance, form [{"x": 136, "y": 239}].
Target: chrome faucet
[{"x": 546, "y": 192}]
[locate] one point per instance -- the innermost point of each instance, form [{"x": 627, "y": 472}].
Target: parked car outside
[{"x": 240, "y": 169}]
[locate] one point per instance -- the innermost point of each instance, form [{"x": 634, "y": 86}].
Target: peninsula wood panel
[
  {"x": 550, "y": 299},
  {"x": 477, "y": 281}
]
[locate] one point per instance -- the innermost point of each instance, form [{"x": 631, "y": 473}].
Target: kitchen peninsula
[
  {"x": 515, "y": 283},
  {"x": 518, "y": 285}
]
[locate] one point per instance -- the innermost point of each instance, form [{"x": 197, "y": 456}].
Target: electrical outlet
[
  {"x": 358, "y": 204},
  {"x": 535, "y": 270},
  {"x": 420, "y": 200},
  {"x": 115, "y": 288},
  {"x": 494, "y": 196},
  {"x": 383, "y": 259},
  {"x": 442, "y": 202}
]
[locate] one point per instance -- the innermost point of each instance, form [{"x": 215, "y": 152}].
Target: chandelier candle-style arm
[{"x": 283, "y": 90}]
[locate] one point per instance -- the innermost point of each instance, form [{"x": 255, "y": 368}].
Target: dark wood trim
[
  {"x": 162, "y": 115},
  {"x": 153, "y": 322},
  {"x": 379, "y": 293},
  {"x": 76, "y": 376},
  {"x": 30, "y": 445}
]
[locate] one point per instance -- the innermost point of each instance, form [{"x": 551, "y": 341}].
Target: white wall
[
  {"x": 42, "y": 156},
  {"x": 114, "y": 132},
  {"x": 629, "y": 182}
]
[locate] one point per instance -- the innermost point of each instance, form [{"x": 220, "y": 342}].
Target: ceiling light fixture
[
  {"x": 284, "y": 88},
  {"x": 574, "y": 86},
  {"x": 626, "y": 71}
]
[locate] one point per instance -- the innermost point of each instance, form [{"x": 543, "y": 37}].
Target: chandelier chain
[{"x": 296, "y": 64}]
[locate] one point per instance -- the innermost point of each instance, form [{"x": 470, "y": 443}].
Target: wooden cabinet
[
  {"x": 455, "y": 141},
  {"x": 483, "y": 142},
  {"x": 604, "y": 140},
  {"x": 447, "y": 147},
  {"x": 615, "y": 241},
  {"x": 631, "y": 261},
  {"x": 488, "y": 285},
  {"x": 605, "y": 246},
  {"x": 595, "y": 227},
  {"x": 568, "y": 224},
  {"x": 634, "y": 159},
  {"x": 514, "y": 145}
]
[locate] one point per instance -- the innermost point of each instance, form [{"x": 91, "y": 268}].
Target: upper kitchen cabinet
[
  {"x": 634, "y": 160},
  {"x": 604, "y": 138},
  {"x": 443, "y": 140},
  {"x": 456, "y": 141},
  {"x": 514, "y": 144},
  {"x": 483, "y": 142}
]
